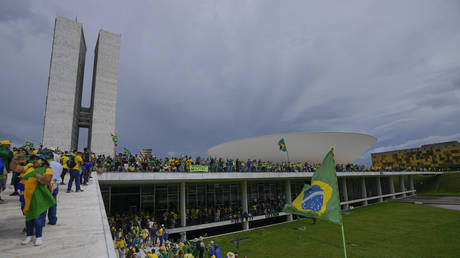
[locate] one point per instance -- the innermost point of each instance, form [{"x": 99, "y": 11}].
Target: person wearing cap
[
  {"x": 35, "y": 177},
  {"x": 211, "y": 249},
  {"x": 163, "y": 253},
  {"x": 75, "y": 172}
]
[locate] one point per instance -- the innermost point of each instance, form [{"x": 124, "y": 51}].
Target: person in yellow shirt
[
  {"x": 35, "y": 179},
  {"x": 65, "y": 167},
  {"x": 121, "y": 244},
  {"x": 74, "y": 164}
]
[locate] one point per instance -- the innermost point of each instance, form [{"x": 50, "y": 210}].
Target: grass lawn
[{"x": 380, "y": 230}]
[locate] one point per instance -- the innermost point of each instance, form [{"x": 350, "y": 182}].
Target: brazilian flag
[
  {"x": 321, "y": 199},
  {"x": 29, "y": 144},
  {"x": 126, "y": 151},
  {"x": 37, "y": 197},
  {"x": 282, "y": 145},
  {"x": 114, "y": 138}
]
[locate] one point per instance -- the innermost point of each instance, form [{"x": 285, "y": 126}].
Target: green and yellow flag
[
  {"x": 114, "y": 138},
  {"x": 321, "y": 199},
  {"x": 37, "y": 197},
  {"x": 282, "y": 145}
]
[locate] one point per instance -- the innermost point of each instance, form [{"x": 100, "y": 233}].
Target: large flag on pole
[
  {"x": 282, "y": 145},
  {"x": 321, "y": 199}
]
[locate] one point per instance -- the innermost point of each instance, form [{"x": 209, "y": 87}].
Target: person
[
  {"x": 160, "y": 233},
  {"x": 74, "y": 164},
  {"x": 217, "y": 251},
  {"x": 6, "y": 155},
  {"x": 54, "y": 186},
  {"x": 23, "y": 153},
  {"x": 65, "y": 167},
  {"x": 163, "y": 253},
  {"x": 85, "y": 168},
  {"x": 121, "y": 247},
  {"x": 4, "y": 174},
  {"x": 211, "y": 253},
  {"x": 201, "y": 247},
  {"x": 35, "y": 177}
]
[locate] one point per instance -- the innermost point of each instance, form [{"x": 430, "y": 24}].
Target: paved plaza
[{"x": 81, "y": 230}]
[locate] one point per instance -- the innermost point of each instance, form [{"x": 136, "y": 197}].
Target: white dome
[{"x": 309, "y": 147}]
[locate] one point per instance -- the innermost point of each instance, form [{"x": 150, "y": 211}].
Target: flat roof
[{"x": 176, "y": 177}]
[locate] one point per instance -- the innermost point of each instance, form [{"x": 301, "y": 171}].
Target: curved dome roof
[{"x": 309, "y": 147}]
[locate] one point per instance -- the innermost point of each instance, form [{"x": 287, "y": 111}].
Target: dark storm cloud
[{"x": 194, "y": 74}]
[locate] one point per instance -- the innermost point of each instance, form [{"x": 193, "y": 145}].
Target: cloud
[{"x": 194, "y": 74}]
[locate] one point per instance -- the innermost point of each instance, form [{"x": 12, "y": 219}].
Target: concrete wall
[
  {"x": 64, "y": 85},
  {"x": 104, "y": 93}
]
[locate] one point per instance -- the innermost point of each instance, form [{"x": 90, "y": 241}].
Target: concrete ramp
[{"x": 82, "y": 229}]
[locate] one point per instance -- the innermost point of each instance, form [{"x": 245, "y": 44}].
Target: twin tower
[{"x": 64, "y": 114}]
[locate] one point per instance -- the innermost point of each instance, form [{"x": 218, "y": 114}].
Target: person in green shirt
[{"x": 6, "y": 155}]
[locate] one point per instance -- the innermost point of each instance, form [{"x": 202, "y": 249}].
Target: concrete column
[
  {"x": 401, "y": 185},
  {"x": 392, "y": 186},
  {"x": 244, "y": 201},
  {"x": 345, "y": 192},
  {"x": 140, "y": 197},
  {"x": 363, "y": 190},
  {"x": 110, "y": 199},
  {"x": 379, "y": 189},
  {"x": 288, "y": 196},
  {"x": 411, "y": 183},
  {"x": 183, "y": 216}
]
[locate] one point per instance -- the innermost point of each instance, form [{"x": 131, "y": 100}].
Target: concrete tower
[
  {"x": 104, "y": 93},
  {"x": 64, "y": 114},
  {"x": 65, "y": 84}
]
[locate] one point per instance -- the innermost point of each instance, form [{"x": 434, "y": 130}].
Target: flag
[
  {"x": 37, "y": 197},
  {"x": 282, "y": 145},
  {"x": 321, "y": 199},
  {"x": 126, "y": 151},
  {"x": 29, "y": 144},
  {"x": 114, "y": 138}
]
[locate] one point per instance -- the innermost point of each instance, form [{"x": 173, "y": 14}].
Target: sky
[{"x": 194, "y": 74}]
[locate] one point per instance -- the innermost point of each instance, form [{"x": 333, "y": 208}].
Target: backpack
[{"x": 71, "y": 162}]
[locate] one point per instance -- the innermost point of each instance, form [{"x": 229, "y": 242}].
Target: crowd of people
[
  {"x": 203, "y": 215},
  {"x": 36, "y": 176},
  {"x": 127, "y": 162},
  {"x": 141, "y": 235}
]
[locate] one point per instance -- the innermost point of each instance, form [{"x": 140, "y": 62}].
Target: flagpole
[
  {"x": 343, "y": 239},
  {"x": 287, "y": 153}
]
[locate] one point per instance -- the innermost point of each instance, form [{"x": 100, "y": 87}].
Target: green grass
[
  {"x": 380, "y": 230},
  {"x": 447, "y": 184}
]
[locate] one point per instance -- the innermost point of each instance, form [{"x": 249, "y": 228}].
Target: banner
[
  {"x": 146, "y": 152},
  {"x": 198, "y": 168}
]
